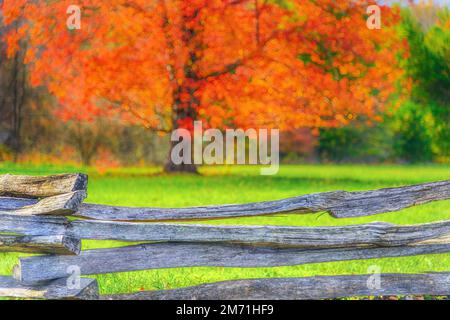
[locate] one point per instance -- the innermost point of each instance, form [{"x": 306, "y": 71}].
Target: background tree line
[{"x": 418, "y": 131}]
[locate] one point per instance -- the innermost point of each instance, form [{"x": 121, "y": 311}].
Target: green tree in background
[
  {"x": 429, "y": 68},
  {"x": 418, "y": 131},
  {"x": 358, "y": 142},
  {"x": 413, "y": 127}
]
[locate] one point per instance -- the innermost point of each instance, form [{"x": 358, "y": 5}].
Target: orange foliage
[{"x": 246, "y": 63}]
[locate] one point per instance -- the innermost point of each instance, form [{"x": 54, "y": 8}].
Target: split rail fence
[{"x": 34, "y": 215}]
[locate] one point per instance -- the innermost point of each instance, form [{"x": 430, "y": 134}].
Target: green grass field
[{"x": 220, "y": 185}]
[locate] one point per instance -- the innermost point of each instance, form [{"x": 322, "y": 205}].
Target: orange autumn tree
[{"x": 229, "y": 63}]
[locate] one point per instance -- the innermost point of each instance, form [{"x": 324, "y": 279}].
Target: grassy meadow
[{"x": 220, "y": 185}]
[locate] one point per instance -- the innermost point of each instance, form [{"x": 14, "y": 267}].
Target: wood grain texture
[
  {"x": 373, "y": 234},
  {"x": 63, "y": 204},
  {"x": 33, "y": 225},
  {"x": 321, "y": 287},
  {"x": 10, "y": 203},
  {"x": 174, "y": 255},
  {"x": 37, "y": 234},
  {"x": 339, "y": 204},
  {"x": 57, "y": 289},
  {"x": 45, "y": 186},
  {"x": 54, "y": 244}
]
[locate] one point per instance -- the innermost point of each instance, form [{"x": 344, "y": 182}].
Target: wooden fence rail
[
  {"x": 176, "y": 255},
  {"x": 57, "y": 289},
  {"x": 33, "y": 219},
  {"x": 38, "y": 187},
  {"x": 340, "y": 204},
  {"x": 372, "y": 234},
  {"x": 54, "y": 244},
  {"x": 304, "y": 288}
]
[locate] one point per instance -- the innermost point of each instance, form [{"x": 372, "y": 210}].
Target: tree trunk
[
  {"x": 182, "y": 109},
  {"x": 183, "y": 168},
  {"x": 171, "y": 167},
  {"x": 87, "y": 140},
  {"x": 17, "y": 104}
]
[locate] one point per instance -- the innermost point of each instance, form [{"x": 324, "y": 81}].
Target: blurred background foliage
[{"x": 417, "y": 131}]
